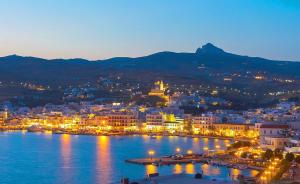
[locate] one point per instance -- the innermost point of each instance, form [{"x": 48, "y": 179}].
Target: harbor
[{"x": 100, "y": 158}]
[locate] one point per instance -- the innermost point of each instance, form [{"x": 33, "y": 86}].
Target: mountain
[{"x": 199, "y": 66}]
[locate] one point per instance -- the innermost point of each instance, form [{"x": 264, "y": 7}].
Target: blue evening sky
[{"x": 97, "y": 29}]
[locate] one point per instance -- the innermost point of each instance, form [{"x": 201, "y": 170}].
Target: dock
[
  {"x": 186, "y": 159},
  {"x": 180, "y": 179},
  {"x": 166, "y": 161}
]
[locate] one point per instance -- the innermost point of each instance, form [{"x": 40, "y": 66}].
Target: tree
[
  {"x": 278, "y": 153},
  {"x": 244, "y": 155},
  {"x": 297, "y": 159},
  {"x": 240, "y": 144},
  {"x": 268, "y": 154},
  {"x": 289, "y": 157}
]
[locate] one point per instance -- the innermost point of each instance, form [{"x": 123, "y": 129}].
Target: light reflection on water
[
  {"x": 190, "y": 168},
  {"x": 150, "y": 169},
  {"x": 103, "y": 159},
  {"x": 177, "y": 169},
  {"x": 66, "y": 150},
  {"x": 91, "y": 159}
]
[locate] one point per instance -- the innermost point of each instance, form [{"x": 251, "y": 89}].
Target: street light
[
  {"x": 205, "y": 149},
  {"x": 189, "y": 152},
  {"x": 178, "y": 150},
  {"x": 151, "y": 153}
]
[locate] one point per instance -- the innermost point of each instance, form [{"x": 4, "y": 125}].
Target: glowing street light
[
  {"x": 189, "y": 152},
  {"x": 178, "y": 150},
  {"x": 151, "y": 153}
]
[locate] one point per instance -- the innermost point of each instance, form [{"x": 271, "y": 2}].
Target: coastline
[{"x": 154, "y": 135}]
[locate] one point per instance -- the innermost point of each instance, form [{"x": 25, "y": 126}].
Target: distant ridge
[{"x": 158, "y": 65}]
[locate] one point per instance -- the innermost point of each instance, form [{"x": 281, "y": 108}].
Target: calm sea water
[{"x": 48, "y": 158}]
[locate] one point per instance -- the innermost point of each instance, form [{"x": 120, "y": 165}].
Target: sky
[{"x": 99, "y": 29}]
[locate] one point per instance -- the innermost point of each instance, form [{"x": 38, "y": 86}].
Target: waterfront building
[
  {"x": 164, "y": 122},
  {"x": 274, "y": 142},
  {"x": 203, "y": 124},
  {"x": 154, "y": 122},
  {"x": 54, "y": 120},
  {"x": 272, "y": 135},
  {"x": 123, "y": 121},
  {"x": 231, "y": 129},
  {"x": 3, "y": 117}
]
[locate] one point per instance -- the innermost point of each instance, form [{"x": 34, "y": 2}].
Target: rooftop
[{"x": 274, "y": 126}]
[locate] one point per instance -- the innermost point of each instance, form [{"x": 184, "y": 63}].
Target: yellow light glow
[{"x": 151, "y": 152}]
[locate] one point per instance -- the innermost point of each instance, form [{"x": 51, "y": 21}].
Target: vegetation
[
  {"x": 151, "y": 101},
  {"x": 297, "y": 159},
  {"x": 268, "y": 154},
  {"x": 284, "y": 166},
  {"x": 244, "y": 155},
  {"x": 240, "y": 144},
  {"x": 278, "y": 153},
  {"x": 289, "y": 157}
]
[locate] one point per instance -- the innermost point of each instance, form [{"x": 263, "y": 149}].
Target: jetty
[
  {"x": 192, "y": 158},
  {"x": 167, "y": 160},
  {"x": 179, "y": 179}
]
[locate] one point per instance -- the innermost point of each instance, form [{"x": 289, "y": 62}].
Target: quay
[
  {"x": 166, "y": 161},
  {"x": 93, "y": 133},
  {"x": 179, "y": 179},
  {"x": 194, "y": 158}
]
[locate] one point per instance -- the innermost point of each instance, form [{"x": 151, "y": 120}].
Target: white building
[{"x": 272, "y": 135}]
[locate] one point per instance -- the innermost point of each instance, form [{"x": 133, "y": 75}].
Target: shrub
[
  {"x": 297, "y": 159},
  {"x": 268, "y": 154},
  {"x": 289, "y": 157}
]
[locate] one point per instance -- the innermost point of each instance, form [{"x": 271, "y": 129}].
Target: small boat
[
  {"x": 229, "y": 166},
  {"x": 35, "y": 128},
  {"x": 155, "y": 164},
  {"x": 58, "y": 132},
  {"x": 242, "y": 167}
]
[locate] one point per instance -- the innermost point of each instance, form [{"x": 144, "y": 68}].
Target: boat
[
  {"x": 242, "y": 167},
  {"x": 155, "y": 164},
  {"x": 229, "y": 166},
  {"x": 58, "y": 132},
  {"x": 153, "y": 137},
  {"x": 35, "y": 128}
]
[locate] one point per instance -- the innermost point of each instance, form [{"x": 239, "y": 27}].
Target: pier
[
  {"x": 193, "y": 158},
  {"x": 180, "y": 179},
  {"x": 167, "y": 161}
]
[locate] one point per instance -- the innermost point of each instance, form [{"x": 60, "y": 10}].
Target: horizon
[
  {"x": 103, "y": 59},
  {"x": 100, "y": 30}
]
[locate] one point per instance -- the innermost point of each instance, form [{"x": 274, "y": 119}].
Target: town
[{"x": 273, "y": 129}]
